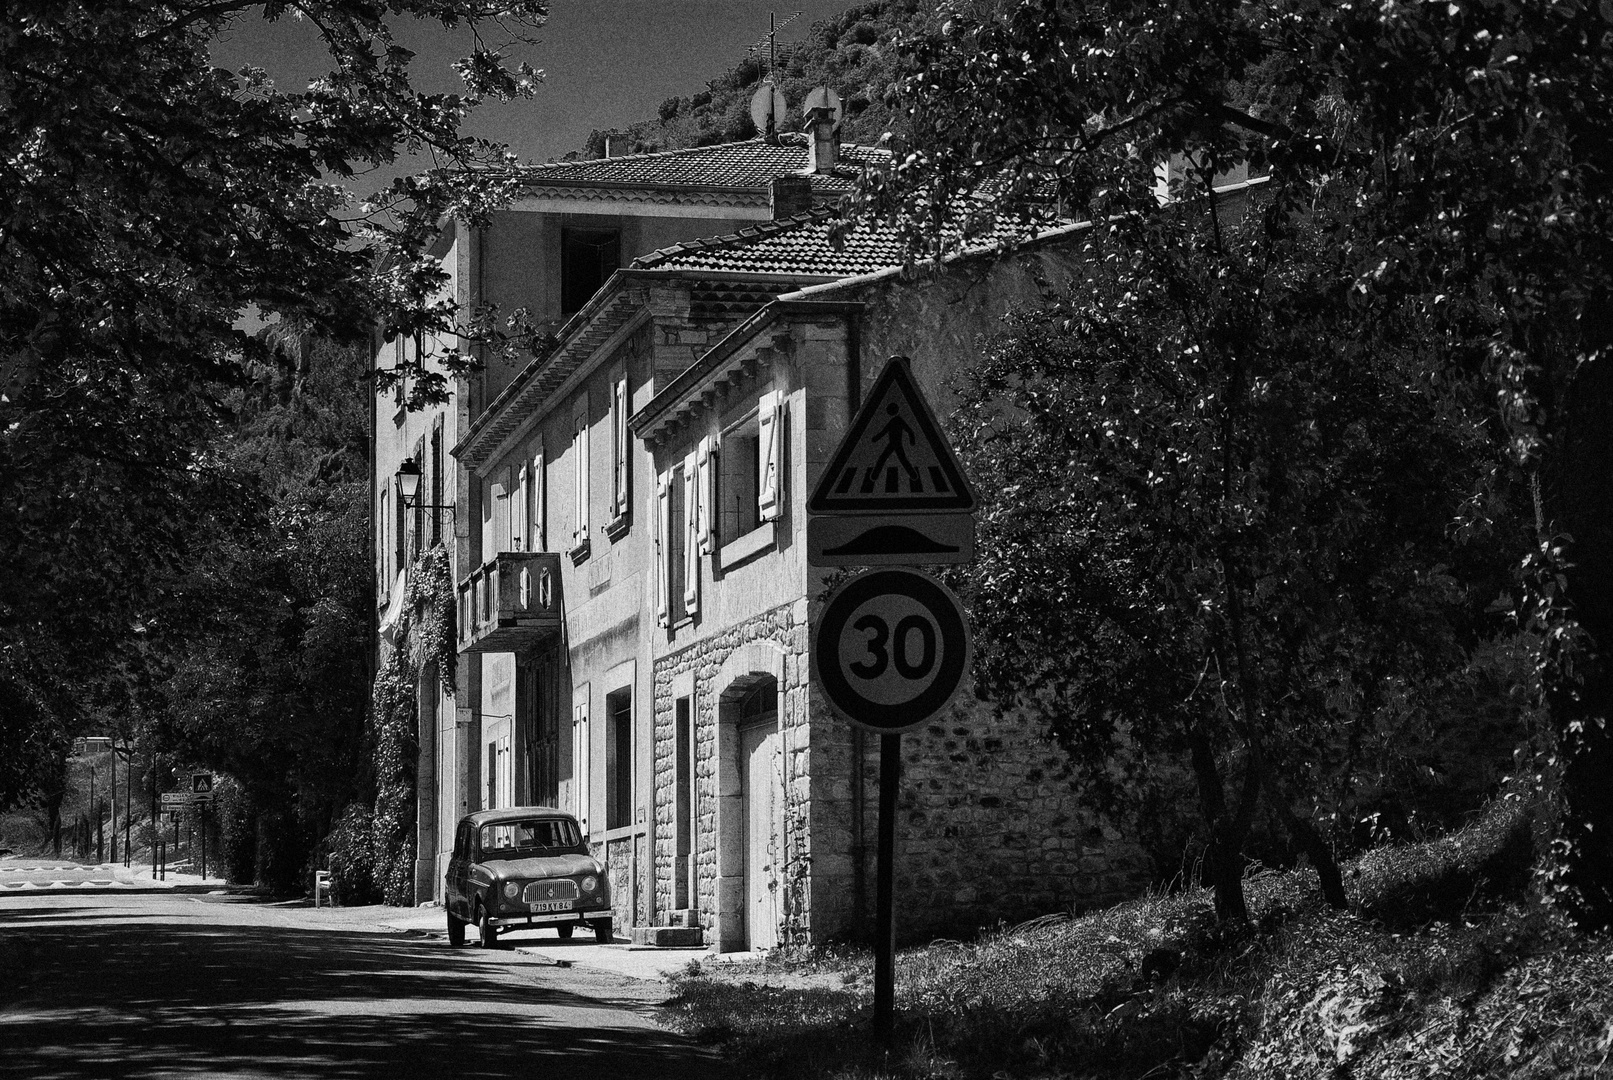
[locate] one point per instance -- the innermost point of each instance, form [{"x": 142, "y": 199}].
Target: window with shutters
[
  {"x": 537, "y": 500},
  {"x": 417, "y": 526},
  {"x": 691, "y": 535},
  {"x": 436, "y": 481},
  {"x": 621, "y": 488},
  {"x": 519, "y": 514},
  {"x": 672, "y": 548},
  {"x": 580, "y": 493},
  {"x": 747, "y": 492},
  {"x": 739, "y": 468}
]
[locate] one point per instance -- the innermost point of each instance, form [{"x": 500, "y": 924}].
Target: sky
[{"x": 607, "y": 63}]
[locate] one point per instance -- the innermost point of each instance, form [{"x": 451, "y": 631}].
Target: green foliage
[
  {"x": 1442, "y": 164},
  {"x": 1158, "y": 987},
  {"x": 151, "y": 199},
  {"x": 351, "y": 859}
]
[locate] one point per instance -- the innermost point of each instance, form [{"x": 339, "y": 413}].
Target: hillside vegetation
[
  {"x": 850, "y": 54},
  {"x": 1444, "y": 966}
]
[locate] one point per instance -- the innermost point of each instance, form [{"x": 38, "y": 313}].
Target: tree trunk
[{"x": 1316, "y": 849}]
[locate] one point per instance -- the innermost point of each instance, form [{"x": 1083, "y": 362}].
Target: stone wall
[
  {"x": 988, "y": 826},
  {"x": 773, "y": 642}
]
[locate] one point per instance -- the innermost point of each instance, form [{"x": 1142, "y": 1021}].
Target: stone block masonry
[{"x": 989, "y": 828}]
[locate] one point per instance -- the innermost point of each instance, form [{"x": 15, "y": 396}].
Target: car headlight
[
  {"x": 589, "y": 883},
  {"x": 511, "y": 889}
]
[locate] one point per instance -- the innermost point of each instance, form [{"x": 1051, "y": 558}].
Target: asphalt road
[{"x": 126, "y": 984}]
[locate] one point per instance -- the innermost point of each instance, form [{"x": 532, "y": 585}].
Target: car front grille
[{"x": 549, "y": 889}]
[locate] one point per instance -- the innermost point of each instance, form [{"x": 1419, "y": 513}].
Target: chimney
[
  {"x": 789, "y": 195},
  {"x": 821, "y": 140},
  {"x": 614, "y": 142}
]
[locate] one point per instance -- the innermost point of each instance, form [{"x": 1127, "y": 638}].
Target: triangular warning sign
[{"x": 893, "y": 458}]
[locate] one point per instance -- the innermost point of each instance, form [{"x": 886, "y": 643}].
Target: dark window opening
[
  {"x": 738, "y": 478},
  {"x": 587, "y": 257},
  {"x": 685, "y": 804},
  {"x": 759, "y": 701},
  {"x": 619, "y": 759}
]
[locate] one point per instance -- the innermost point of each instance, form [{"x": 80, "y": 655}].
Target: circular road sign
[{"x": 891, "y": 648}]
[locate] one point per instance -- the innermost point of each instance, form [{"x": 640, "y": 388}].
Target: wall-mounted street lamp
[{"x": 409, "y": 487}]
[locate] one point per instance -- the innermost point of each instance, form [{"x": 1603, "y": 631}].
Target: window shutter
[
  {"x": 579, "y": 443},
  {"x": 619, "y": 495},
  {"x": 770, "y": 448},
  {"x": 580, "y": 763},
  {"x": 707, "y": 496},
  {"x": 501, "y": 512},
  {"x": 519, "y": 515},
  {"x": 539, "y": 503},
  {"x": 691, "y": 535},
  {"x": 663, "y": 549}
]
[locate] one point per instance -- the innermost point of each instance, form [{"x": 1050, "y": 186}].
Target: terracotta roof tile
[
  {"x": 749, "y": 164},
  {"x": 795, "y": 245}
]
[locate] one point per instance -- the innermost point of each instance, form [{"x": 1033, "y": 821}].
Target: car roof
[{"x": 514, "y": 813}]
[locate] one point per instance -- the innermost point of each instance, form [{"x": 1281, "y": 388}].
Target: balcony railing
[{"x": 510, "y": 603}]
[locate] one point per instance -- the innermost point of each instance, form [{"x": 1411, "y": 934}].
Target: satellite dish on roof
[
  {"x": 823, "y": 98},
  {"x": 768, "y": 99}
]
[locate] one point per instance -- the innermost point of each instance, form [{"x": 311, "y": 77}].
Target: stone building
[{"x": 629, "y": 548}]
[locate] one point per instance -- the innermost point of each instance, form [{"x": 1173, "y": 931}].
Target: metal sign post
[{"x": 891, "y": 646}]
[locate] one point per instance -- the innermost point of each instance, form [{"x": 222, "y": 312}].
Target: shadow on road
[{"x": 101, "y": 1000}]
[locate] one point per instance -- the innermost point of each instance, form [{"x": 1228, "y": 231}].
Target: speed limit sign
[{"x": 891, "y": 648}]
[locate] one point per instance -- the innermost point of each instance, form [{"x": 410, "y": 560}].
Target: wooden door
[{"x": 764, "y": 846}]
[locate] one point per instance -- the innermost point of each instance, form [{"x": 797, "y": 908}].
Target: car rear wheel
[
  {"x": 564, "y": 930},
  {"x": 604, "y": 932},
  {"x": 489, "y": 935},
  {"x": 456, "y": 929}
]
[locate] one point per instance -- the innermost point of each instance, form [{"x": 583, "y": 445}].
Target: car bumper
[{"x": 550, "y": 918}]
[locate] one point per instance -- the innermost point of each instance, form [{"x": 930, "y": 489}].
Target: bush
[
  {"x": 1488, "y": 861},
  {"x": 352, "y": 858},
  {"x": 237, "y": 832}
]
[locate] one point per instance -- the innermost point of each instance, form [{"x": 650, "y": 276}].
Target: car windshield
[{"x": 514, "y": 839}]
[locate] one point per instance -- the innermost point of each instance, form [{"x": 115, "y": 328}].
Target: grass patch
[{"x": 1478, "y": 982}]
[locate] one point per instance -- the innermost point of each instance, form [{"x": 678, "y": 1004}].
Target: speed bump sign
[{"x": 891, "y": 648}]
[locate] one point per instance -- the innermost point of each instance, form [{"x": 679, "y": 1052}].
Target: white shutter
[
  {"x": 499, "y": 527},
  {"x": 770, "y": 449},
  {"x": 579, "y": 464},
  {"x": 519, "y": 515},
  {"x": 707, "y": 497},
  {"x": 691, "y": 535},
  {"x": 619, "y": 447},
  {"x": 663, "y": 548},
  {"x": 580, "y": 757},
  {"x": 538, "y": 502}
]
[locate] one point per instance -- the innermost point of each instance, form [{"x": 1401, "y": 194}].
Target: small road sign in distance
[
  {"x": 176, "y": 798},
  {"x": 891, "y": 648},
  {"x": 201, "y": 783}
]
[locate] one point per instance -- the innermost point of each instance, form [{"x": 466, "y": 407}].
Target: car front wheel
[
  {"x": 456, "y": 929},
  {"x": 489, "y": 935},
  {"x": 604, "y": 932}
]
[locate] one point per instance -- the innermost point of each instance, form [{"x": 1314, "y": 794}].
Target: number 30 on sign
[{"x": 891, "y": 648}]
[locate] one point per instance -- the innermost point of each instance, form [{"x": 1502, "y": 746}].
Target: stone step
[{"x": 668, "y": 937}]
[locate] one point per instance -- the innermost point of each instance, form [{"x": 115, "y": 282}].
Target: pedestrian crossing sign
[{"x": 893, "y": 458}]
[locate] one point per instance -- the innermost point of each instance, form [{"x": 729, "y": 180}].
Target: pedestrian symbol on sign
[{"x": 201, "y": 783}]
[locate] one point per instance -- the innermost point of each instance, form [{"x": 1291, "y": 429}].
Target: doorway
[{"x": 762, "y": 810}]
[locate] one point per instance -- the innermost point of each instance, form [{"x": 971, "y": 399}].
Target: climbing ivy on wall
[{"x": 425, "y": 634}]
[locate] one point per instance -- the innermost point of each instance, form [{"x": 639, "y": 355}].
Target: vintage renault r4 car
[{"x": 524, "y": 866}]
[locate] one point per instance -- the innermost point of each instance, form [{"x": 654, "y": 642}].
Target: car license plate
[{"x": 551, "y": 905}]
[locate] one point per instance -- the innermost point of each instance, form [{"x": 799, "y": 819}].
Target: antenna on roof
[{"x": 767, "y": 106}]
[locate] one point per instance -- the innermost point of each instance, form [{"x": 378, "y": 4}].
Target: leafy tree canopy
[
  {"x": 1435, "y": 208},
  {"x": 149, "y": 199}
]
